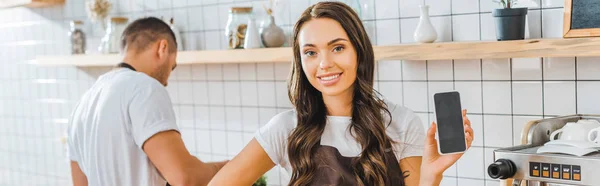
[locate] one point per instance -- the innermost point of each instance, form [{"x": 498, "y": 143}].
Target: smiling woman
[{"x": 341, "y": 132}]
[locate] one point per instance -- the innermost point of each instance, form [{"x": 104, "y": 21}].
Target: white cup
[
  {"x": 578, "y": 131},
  {"x": 594, "y": 136}
]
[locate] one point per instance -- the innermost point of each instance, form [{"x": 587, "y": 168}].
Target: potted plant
[
  {"x": 262, "y": 181},
  {"x": 510, "y": 21}
]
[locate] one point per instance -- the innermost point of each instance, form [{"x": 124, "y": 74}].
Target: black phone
[{"x": 450, "y": 127}]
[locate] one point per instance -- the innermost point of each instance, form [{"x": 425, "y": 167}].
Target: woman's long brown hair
[{"x": 367, "y": 126}]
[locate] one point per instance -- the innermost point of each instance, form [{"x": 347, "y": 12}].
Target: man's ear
[{"x": 163, "y": 48}]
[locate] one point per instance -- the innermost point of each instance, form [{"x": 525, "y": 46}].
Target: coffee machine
[{"x": 523, "y": 166}]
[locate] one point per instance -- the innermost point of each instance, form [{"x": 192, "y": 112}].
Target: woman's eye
[
  {"x": 338, "y": 49},
  {"x": 309, "y": 53}
]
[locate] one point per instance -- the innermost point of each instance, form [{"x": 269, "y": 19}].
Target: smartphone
[{"x": 450, "y": 127}]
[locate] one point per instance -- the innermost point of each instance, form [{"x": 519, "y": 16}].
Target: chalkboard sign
[{"x": 582, "y": 18}]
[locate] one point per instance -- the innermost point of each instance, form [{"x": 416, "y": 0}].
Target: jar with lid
[
  {"x": 110, "y": 43},
  {"x": 237, "y": 24},
  {"x": 77, "y": 37}
]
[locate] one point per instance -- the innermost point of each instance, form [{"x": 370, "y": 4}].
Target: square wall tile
[
  {"x": 389, "y": 70},
  {"x": 371, "y": 29},
  {"x": 233, "y": 118},
  {"x": 248, "y": 71},
  {"x": 527, "y": 98},
  {"x": 436, "y": 87},
  {"x": 488, "y": 27},
  {"x": 216, "y": 93},
  {"x": 407, "y": 29},
  {"x": 388, "y": 32},
  {"x": 171, "y": 89},
  {"x": 250, "y": 119},
  {"x": 465, "y": 6},
  {"x": 391, "y": 91},
  {"x": 180, "y": 3},
  {"x": 219, "y": 142},
  {"x": 559, "y": 68},
  {"x": 552, "y": 3},
  {"x": 552, "y": 23},
  {"x": 387, "y": 9},
  {"x": 282, "y": 95},
  {"x": 410, "y": 8},
  {"x": 231, "y": 72},
  {"x": 438, "y": 7},
  {"x": 234, "y": 143},
  {"x": 497, "y": 97},
  {"x": 449, "y": 181},
  {"x": 265, "y": 71},
  {"x": 492, "y": 183},
  {"x": 518, "y": 123},
  {"x": 200, "y": 93},
  {"x": 534, "y": 24},
  {"x": 470, "y": 93},
  {"x": 473, "y": 182},
  {"x": 203, "y": 141},
  {"x": 440, "y": 70},
  {"x": 588, "y": 68},
  {"x": 559, "y": 98},
  {"x": 297, "y": 7},
  {"x": 212, "y": 40},
  {"x": 467, "y": 69},
  {"x": 217, "y": 118},
  {"x": 202, "y": 117},
  {"x": 189, "y": 139},
  {"x": 498, "y": 131},
  {"x": 470, "y": 165},
  {"x": 496, "y": 69},
  {"x": 266, "y": 94},
  {"x": 249, "y": 93},
  {"x": 477, "y": 125},
  {"x": 489, "y": 6},
  {"x": 186, "y": 94},
  {"x": 415, "y": 96},
  {"x": 465, "y": 27},
  {"x": 414, "y": 70},
  {"x": 443, "y": 28},
  {"x": 282, "y": 70},
  {"x": 587, "y": 97},
  {"x": 210, "y": 21},
  {"x": 451, "y": 171},
  {"x": 183, "y": 72},
  {"x": 232, "y": 93},
  {"x": 526, "y": 69}
]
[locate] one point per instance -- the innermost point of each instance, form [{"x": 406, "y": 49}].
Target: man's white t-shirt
[
  {"x": 405, "y": 129},
  {"x": 110, "y": 124}
]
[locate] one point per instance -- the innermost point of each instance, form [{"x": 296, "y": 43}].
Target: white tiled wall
[{"x": 220, "y": 106}]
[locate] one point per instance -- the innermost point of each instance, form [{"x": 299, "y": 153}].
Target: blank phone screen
[{"x": 449, "y": 121}]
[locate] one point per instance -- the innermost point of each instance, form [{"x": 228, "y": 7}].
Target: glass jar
[
  {"x": 111, "y": 43},
  {"x": 77, "y": 37},
  {"x": 237, "y": 24}
]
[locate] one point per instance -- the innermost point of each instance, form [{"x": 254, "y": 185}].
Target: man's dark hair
[{"x": 144, "y": 31}]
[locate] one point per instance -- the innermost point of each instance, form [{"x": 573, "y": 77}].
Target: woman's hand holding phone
[{"x": 434, "y": 164}]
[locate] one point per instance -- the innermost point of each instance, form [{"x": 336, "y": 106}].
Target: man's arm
[
  {"x": 168, "y": 153},
  {"x": 79, "y": 179}
]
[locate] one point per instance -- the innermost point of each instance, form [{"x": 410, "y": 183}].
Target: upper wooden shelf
[
  {"x": 579, "y": 47},
  {"x": 30, "y": 3}
]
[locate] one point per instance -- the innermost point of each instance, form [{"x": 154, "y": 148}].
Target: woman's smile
[{"x": 330, "y": 79}]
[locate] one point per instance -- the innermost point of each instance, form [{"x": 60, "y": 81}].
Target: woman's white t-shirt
[{"x": 405, "y": 129}]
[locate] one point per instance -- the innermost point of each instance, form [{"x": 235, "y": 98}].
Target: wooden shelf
[
  {"x": 579, "y": 47},
  {"x": 29, "y": 3}
]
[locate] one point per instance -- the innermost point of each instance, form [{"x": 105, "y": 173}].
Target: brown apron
[{"x": 335, "y": 169}]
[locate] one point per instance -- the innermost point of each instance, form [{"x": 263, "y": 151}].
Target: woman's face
[{"x": 329, "y": 59}]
